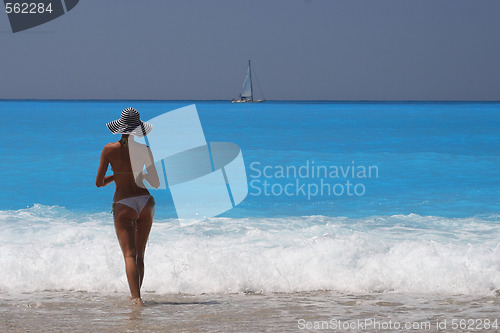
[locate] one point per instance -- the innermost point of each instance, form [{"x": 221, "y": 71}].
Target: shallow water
[{"x": 283, "y": 312}]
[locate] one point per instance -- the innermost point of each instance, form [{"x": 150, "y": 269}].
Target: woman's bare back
[{"x": 128, "y": 172}]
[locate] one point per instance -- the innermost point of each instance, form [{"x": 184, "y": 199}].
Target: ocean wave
[{"x": 52, "y": 248}]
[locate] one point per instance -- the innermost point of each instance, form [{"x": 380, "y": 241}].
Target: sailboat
[{"x": 246, "y": 95}]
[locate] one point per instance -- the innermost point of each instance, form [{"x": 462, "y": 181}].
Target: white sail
[
  {"x": 246, "y": 95},
  {"x": 246, "y": 92}
]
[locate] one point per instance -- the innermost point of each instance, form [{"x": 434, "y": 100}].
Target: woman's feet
[{"x": 137, "y": 301}]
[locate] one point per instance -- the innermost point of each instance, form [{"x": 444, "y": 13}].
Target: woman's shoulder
[{"x": 111, "y": 146}]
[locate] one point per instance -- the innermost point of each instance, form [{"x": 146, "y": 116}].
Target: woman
[{"x": 133, "y": 206}]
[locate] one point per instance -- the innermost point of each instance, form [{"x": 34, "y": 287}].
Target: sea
[{"x": 374, "y": 213}]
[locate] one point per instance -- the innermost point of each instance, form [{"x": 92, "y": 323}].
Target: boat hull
[{"x": 247, "y": 101}]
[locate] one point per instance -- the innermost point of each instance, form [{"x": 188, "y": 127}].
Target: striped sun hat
[{"x": 130, "y": 123}]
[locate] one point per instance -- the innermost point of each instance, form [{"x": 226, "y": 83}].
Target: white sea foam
[{"x": 51, "y": 248}]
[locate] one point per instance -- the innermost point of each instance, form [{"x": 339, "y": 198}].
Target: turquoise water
[
  {"x": 432, "y": 159},
  {"x": 420, "y": 213}
]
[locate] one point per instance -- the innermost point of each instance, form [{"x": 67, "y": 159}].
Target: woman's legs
[
  {"x": 132, "y": 230},
  {"x": 144, "y": 224}
]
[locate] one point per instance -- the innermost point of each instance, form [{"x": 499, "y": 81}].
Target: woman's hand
[
  {"x": 147, "y": 177},
  {"x": 108, "y": 180},
  {"x": 139, "y": 179}
]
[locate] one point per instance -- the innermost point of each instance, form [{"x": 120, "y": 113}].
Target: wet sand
[{"x": 65, "y": 311}]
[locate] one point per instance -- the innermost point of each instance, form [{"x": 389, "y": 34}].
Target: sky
[{"x": 388, "y": 50}]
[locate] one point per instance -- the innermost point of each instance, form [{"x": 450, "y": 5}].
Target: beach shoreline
[{"x": 74, "y": 311}]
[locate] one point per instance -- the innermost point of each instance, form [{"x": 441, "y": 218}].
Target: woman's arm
[
  {"x": 101, "y": 178},
  {"x": 152, "y": 176},
  {"x": 108, "y": 180}
]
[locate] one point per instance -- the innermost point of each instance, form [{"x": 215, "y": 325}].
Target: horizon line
[{"x": 267, "y": 100}]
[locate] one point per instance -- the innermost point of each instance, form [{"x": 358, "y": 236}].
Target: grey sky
[{"x": 301, "y": 49}]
